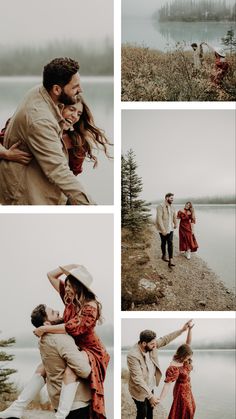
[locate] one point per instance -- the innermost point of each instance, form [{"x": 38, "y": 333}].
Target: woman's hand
[
  {"x": 17, "y": 155},
  {"x": 40, "y": 331}
]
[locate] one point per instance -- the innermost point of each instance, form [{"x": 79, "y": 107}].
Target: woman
[
  {"x": 187, "y": 240},
  {"x": 82, "y": 312},
  {"x": 183, "y": 406},
  {"x": 80, "y": 137},
  {"x": 221, "y": 65}
]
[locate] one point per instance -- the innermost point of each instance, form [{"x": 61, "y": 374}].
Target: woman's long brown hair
[
  {"x": 87, "y": 135},
  {"x": 82, "y": 296},
  {"x": 182, "y": 352},
  {"x": 192, "y": 210}
]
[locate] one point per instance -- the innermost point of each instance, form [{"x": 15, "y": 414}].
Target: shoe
[
  {"x": 31, "y": 389},
  {"x": 188, "y": 255},
  {"x": 165, "y": 258},
  {"x": 170, "y": 264}
]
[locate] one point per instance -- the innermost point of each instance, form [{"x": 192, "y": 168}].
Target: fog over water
[
  {"x": 139, "y": 8},
  {"x": 87, "y": 22},
  {"x": 190, "y": 153}
]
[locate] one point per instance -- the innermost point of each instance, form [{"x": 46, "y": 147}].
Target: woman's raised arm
[
  {"x": 189, "y": 334},
  {"x": 54, "y": 278}
]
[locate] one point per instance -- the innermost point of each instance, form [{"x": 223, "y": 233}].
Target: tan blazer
[
  {"x": 138, "y": 371},
  {"x": 162, "y": 217},
  {"x": 57, "y": 351},
  {"x": 47, "y": 180}
]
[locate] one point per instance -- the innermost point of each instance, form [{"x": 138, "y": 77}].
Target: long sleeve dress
[
  {"x": 187, "y": 240},
  {"x": 183, "y": 406},
  {"x": 81, "y": 327}
]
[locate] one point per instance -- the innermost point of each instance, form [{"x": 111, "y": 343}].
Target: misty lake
[
  {"x": 164, "y": 35},
  {"x": 213, "y": 382},
  {"x": 98, "y": 93},
  {"x": 27, "y": 359},
  {"x": 215, "y": 233}
]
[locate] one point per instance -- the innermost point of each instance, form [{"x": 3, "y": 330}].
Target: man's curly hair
[
  {"x": 39, "y": 315},
  {"x": 59, "y": 71}
]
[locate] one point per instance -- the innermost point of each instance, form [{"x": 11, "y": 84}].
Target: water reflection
[{"x": 163, "y": 35}]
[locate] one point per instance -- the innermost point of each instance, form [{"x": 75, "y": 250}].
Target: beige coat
[
  {"x": 47, "y": 180},
  {"x": 57, "y": 351},
  {"x": 162, "y": 217},
  {"x": 138, "y": 371}
]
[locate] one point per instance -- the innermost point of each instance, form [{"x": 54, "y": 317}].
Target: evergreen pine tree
[
  {"x": 5, "y": 385},
  {"x": 135, "y": 212},
  {"x": 229, "y": 40}
]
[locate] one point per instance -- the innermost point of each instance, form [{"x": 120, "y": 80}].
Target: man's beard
[
  {"x": 65, "y": 99},
  {"x": 58, "y": 321}
]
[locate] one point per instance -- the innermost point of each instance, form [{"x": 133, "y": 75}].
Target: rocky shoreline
[{"x": 149, "y": 284}]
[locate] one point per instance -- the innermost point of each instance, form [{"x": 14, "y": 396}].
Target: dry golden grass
[{"x": 150, "y": 75}]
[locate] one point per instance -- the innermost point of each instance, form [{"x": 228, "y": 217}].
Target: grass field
[{"x": 151, "y": 75}]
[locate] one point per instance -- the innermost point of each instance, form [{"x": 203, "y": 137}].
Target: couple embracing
[
  {"x": 74, "y": 360},
  {"x": 44, "y": 144},
  {"x": 166, "y": 222}
]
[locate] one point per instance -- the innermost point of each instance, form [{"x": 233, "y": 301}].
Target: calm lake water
[
  {"x": 98, "y": 93},
  {"x": 215, "y": 233},
  {"x": 27, "y": 359},
  {"x": 213, "y": 382},
  {"x": 156, "y": 35}
]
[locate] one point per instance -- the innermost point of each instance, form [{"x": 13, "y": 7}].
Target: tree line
[
  {"x": 196, "y": 11},
  {"x": 29, "y": 60}
]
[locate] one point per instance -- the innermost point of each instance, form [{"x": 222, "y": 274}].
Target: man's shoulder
[
  {"x": 56, "y": 339},
  {"x": 134, "y": 352},
  {"x": 38, "y": 105}
]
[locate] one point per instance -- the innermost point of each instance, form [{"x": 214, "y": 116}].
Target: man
[
  {"x": 144, "y": 370},
  {"x": 166, "y": 222},
  {"x": 57, "y": 352},
  {"x": 197, "y": 56},
  {"x": 37, "y": 125}
]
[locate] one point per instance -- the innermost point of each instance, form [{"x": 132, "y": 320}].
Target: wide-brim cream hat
[
  {"x": 81, "y": 274},
  {"x": 220, "y": 51}
]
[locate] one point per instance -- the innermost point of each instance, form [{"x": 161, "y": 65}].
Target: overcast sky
[
  {"x": 33, "y": 244},
  {"x": 146, "y": 8},
  {"x": 211, "y": 330},
  {"x": 188, "y": 152},
  {"x": 36, "y": 22}
]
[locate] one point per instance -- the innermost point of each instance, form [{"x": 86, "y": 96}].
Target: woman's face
[
  {"x": 72, "y": 114},
  {"x": 69, "y": 289},
  {"x": 187, "y": 206}
]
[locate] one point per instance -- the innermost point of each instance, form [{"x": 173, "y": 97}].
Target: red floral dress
[
  {"x": 187, "y": 240},
  {"x": 183, "y": 406},
  {"x": 81, "y": 326}
]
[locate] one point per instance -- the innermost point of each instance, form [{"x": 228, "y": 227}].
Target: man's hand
[
  {"x": 17, "y": 155},
  {"x": 154, "y": 401},
  {"x": 187, "y": 325}
]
